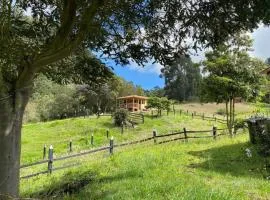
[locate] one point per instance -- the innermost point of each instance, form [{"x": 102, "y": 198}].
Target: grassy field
[
  {"x": 212, "y": 108},
  {"x": 199, "y": 169},
  {"x": 79, "y": 130}
]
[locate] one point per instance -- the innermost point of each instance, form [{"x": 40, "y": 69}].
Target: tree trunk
[
  {"x": 11, "y": 116},
  {"x": 230, "y": 114},
  {"x": 233, "y": 114},
  {"x": 227, "y": 114}
]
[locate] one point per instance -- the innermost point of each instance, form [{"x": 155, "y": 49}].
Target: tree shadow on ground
[
  {"x": 230, "y": 159},
  {"x": 72, "y": 184},
  {"x": 108, "y": 125}
]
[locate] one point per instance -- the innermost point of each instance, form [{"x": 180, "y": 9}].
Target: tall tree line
[{"x": 47, "y": 103}]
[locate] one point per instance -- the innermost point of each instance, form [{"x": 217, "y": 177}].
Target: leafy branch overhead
[{"x": 39, "y": 33}]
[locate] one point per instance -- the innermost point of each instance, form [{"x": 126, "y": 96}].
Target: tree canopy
[
  {"x": 231, "y": 73},
  {"x": 182, "y": 79},
  {"x": 39, "y": 33}
]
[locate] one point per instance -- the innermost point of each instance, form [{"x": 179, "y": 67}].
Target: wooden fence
[
  {"x": 183, "y": 135},
  {"x": 195, "y": 115},
  {"x": 136, "y": 117}
]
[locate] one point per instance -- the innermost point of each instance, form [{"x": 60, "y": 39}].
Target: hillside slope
[{"x": 201, "y": 169}]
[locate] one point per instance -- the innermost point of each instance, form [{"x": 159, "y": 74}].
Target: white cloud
[
  {"x": 261, "y": 48},
  {"x": 261, "y": 43},
  {"x": 148, "y": 68}
]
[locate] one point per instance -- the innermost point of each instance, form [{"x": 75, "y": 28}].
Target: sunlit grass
[
  {"x": 199, "y": 169},
  {"x": 59, "y": 133}
]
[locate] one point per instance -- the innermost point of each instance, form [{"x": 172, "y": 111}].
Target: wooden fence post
[
  {"x": 44, "y": 151},
  {"x": 122, "y": 127},
  {"x": 203, "y": 116},
  {"x": 50, "y": 159},
  {"x": 192, "y": 115},
  {"x": 214, "y": 132},
  {"x": 107, "y": 133},
  {"x": 180, "y": 112},
  {"x": 185, "y": 134},
  {"x": 92, "y": 139},
  {"x": 70, "y": 146},
  {"x": 111, "y": 145},
  {"x": 152, "y": 114},
  {"x": 154, "y": 136},
  {"x": 142, "y": 118},
  {"x": 187, "y": 112}
]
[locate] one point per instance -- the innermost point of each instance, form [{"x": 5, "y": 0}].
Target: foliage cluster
[
  {"x": 231, "y": 73},
  {"x": 221, "y": 111},
  {"x": 120, "y": 117},
  {"x": 159, "y": 104},
  {"x": 51, "y": 100},
  {"x": 263, "y": 138},
  {"x": 182, "y": 79},
  {"x": 155, "y": 92}
]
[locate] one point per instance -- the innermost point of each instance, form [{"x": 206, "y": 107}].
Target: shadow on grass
[
  {"x": 107, "y": 125},
  {"x": 74, "y": 183},
  {"x": 230, "y": 159}
]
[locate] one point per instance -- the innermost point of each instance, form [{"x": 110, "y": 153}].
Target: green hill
[{"x": 197, "y": 169}]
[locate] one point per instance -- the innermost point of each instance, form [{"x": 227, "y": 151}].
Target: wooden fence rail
[
  {"x": 111, "y": 146},
  {"x": 51, "y": 160}
]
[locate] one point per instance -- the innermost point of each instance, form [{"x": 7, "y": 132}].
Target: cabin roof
[{"x": 133, "y": 96}]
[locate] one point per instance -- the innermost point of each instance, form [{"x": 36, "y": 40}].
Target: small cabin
[{"x": 132, "y": 103}]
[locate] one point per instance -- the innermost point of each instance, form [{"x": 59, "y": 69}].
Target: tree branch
[{"x": 57, "y": 51}]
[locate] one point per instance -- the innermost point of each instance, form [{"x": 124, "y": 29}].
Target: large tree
[
  {"x": 37, "y": 33},
  {"x": 182, "y": 79}
]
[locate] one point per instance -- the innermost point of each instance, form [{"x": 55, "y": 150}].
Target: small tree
[
  {"x": 120, "y": 117},
  {"x": 166, "y": 104},
  {"x": 231, "y": 73},
  {"x": 159, "y": 104}
]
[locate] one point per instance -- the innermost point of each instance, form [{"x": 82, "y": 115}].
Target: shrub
[
  {"x": 263, "y": 139},
  {"x": 221, "y": 111},
  {"x": 239, "y": 124},
  {"x": 120, "y": 116},
  {"x": 260, "y": 135}
]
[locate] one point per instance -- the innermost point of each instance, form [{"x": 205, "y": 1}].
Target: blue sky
[{"x": 148, "y": 77}]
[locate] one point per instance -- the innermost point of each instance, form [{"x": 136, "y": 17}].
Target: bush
[
  {"x": 263, "y": 145},
  {"x": 263, "y": 139},
  {"x": 239, "y": 124},
  {"x": 221, "y": 111},
  {"x": 120, "y": 116},
  {"x": 259, "y": 130}
]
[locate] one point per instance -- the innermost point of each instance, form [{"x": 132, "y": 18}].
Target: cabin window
[{"x": 136, "y": 101}]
